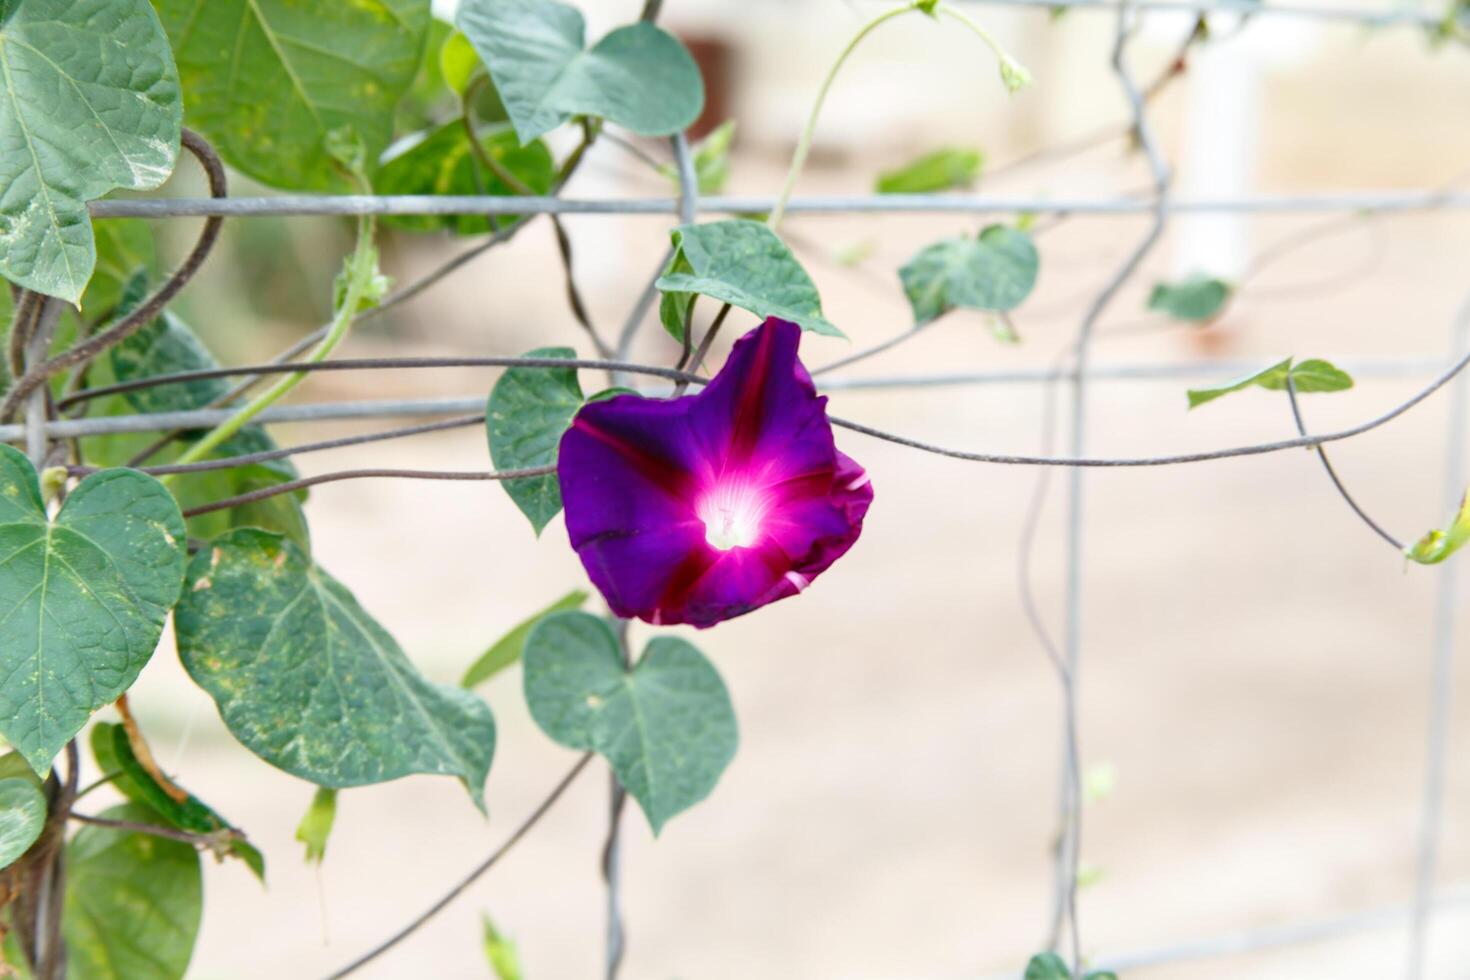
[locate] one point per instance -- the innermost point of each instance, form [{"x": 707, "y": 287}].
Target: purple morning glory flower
[{"x": 698, "y": 509}]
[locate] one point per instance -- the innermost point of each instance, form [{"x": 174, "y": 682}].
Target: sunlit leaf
[
  {"x": 89, "y": 102},
  {"x": 1309, "y": 377},
  {"x": 1439, "y": 544},
  {"x": 316, "y": 824},
  {"x": 500, "y": 952},
  {"x": 443, "y": 162},
  {"x": 268, "y": 80}
]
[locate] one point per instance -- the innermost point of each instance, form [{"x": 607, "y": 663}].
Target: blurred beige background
[{"x": 1255, "y": 663}]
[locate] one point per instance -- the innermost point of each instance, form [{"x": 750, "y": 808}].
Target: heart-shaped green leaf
[
  {"x": 82, "y": 599},
  {"x": 995, "y": 271},
  {"x": 745, "y": 264},
  {"x": 308, "y": 681},
  {"x": 1196, "y": 299},
  {"x": 22, "y": 815},
  {"x": 268, "y": 80},
  {"x": 666, "y": 727},
  {"x": 638, "y": 76},
  {"x": 1310, "y": 377},
  {"x": 528, "y": 410},
  {"x": 133, "y": 902},
  {"x": 89, "y": 102}
]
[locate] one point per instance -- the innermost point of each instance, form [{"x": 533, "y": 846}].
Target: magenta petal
[{"x": 697, "y": 509}]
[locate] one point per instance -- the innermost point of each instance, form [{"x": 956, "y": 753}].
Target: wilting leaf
[
  {"x": 268, "y": 80},
  {"x": 114, "y": 755},
  {"x": 1438, "y": 544}
]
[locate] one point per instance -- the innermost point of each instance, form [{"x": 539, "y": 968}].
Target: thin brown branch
[
  {"x": 293, "y": 485},
  {"x": 150, "y": 308},
  {"x": 484, "y": 866}
]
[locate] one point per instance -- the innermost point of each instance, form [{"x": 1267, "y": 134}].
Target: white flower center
[{"x": 732, "y": 517}]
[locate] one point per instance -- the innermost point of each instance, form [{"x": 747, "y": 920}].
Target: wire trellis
[{"x": 1076, "y": 376}]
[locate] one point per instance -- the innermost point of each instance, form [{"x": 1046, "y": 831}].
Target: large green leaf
[
  {"x": 267, "y": 80},
  {"x": 743, "y": 263},
  {"x": 308, "y": 681},
  {"x": 168, "y": 346},
  {"x": 1308, "y": 378},
  {"x": 507, "y": 650},
  {"x": 133, "y": 902},
  {"x": 22, "y": 816},
  {"x": 1437, "y": 545},
  {"x": 114, "y": 755},
  {"x": 638, "y": 76},
  {"x": 666, "y": 727},
  {"x": 443, "y": 163},
  {"x": 936, "y": 171},
  {"x": 89, "y": 102},
  {"x": 528, "y": 410},
  {"x": 995, "y": 271},
  {"x": 82, "y": 599},
  {"x": 1196, "y": 299}
]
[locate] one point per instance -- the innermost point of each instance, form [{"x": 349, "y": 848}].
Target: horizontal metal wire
[
  {"x": 459, "y": 405},
  {"x": 1405, "y": 17},
  {"x": 449, "y": 204}
]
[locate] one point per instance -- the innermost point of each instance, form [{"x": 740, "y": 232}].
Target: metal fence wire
[{"x": 1075, "y": 378}]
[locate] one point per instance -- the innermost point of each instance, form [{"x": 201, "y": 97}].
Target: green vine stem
[
  {"x": 359, "y": 275},
  {"x": 1012, "y": 74}
]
